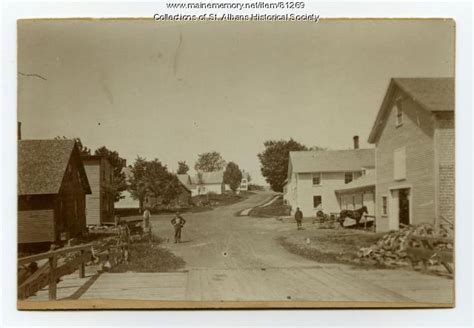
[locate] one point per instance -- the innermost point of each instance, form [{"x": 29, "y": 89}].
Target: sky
[{"x": 173, "y": 90}]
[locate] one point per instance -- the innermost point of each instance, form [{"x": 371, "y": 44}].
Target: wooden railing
[{"x": 36, "y": 280}]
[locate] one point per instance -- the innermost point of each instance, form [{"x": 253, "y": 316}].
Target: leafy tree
[
  {"x": 138, "y": 183},
  {"x": 209, "y": 162},
  {"x": 183, "y": 168},
  {"x": 232, "y": 176},
  {"x": 153, "y": 177},
  {"x": 317, "y": 148},
  {"x": 274, "y": 161},
  {"x": 118, "y": 163},
  {"x": 83, "y": 150},
  {"x": 163, "y": 184}
]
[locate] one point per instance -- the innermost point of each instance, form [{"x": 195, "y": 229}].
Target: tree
[
  {"x": 83, "y": 150},
  {"x": 274, "y": 161},
  {"x": 317, "y": 148},
  {"x": 118, "y": 163},
  {"x": 183, "y": 168},
  {"x": 209, "y": 162},
  {"x": 138, "y": 185},
  {"x": 153, "y": 177},
  {"x": 232, "y": 176},
  {"x": 163, "y": 184}
]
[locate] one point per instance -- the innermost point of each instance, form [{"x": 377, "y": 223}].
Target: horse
[{"x": 355, "y": 215}]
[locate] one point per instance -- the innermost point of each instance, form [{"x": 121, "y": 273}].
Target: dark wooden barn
[{"x": 52, "y": 187}]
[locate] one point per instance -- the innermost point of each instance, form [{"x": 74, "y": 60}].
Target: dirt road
[{"x": 238, "y": 258}]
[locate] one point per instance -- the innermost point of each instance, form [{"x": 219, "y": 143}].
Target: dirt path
[{"x": 238, "y": 258}]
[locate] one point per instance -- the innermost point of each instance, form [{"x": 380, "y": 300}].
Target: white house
[
  {"x": 314, "y": 177},
  {"x": 204, "y": 183},
  {"x": 244, "y": 183}
]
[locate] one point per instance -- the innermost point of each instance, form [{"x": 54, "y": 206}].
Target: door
[{"x": 404, "y": 206}]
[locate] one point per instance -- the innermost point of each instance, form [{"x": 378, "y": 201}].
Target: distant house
[
  {"x": 414, "y": 139},
  {"x": 99, "y": 204},
  {"x": 314, "y": 177},
  {"x": 208, "y": 182},
  {"x": 127, "y": 201},
  {"x": 52, "y": 188},
  {"x": 244, "y": 183}
]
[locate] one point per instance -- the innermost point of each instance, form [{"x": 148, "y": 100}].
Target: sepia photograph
[{"x": 174, "y": 164}]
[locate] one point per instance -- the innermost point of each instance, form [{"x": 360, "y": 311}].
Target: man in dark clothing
[
  {"x": 298, "y": 218},
  {"x": 178, "y": 223}
]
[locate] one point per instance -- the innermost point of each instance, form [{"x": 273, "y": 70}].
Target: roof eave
[
  {"x": 376, "y": 126},
  {"x": 343, "y": 190}
]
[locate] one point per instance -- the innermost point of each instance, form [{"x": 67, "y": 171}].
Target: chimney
[
  {"x": 19, "y": 130},
  {"x": 356, "y": 142}
]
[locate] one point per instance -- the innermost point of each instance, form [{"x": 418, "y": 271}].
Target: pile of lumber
[{"x": 391, "y": 249}]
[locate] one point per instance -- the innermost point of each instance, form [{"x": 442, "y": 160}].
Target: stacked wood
[{"x": 393, "y": 248}]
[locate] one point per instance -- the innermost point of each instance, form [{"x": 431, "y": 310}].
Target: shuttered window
[{"x": 399, "y": 164}]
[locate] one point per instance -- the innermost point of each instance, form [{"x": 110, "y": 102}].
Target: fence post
[
  {"x": 52, "y": 277},
  {"x": 82, "y": 267}
]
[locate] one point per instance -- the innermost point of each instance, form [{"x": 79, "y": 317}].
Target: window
[
  {"x": 399, "y": 113},
  {"x": 317, "y": 201},
  {"x": 384, "y": 205},
  {"x": 399, "y": 164},
  {"x": 316, "y": 179},
  {"x": 348, "y": 177}
]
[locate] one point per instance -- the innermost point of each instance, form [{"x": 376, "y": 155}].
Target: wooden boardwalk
[{"x": 271, "y": 284}]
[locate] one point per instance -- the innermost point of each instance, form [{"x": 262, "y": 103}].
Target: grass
[
  {"x": 331, "y": 246},
  {"x": 277, "y": 208},
  {"x": 145, "y": 257}
]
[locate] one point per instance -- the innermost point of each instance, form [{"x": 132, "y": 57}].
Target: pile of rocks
[{"x": 391, "y": 249}]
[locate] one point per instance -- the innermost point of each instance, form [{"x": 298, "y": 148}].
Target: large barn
[
  {"x": 414, "y": 138},
  {"x": 52, "y": 188}
]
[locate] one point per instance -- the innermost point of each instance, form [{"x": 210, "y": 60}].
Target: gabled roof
[
  {"x": 209, "y": 178},
  {"x": 42, "y": 165},
  {"x": 364, "y": 181},
  {"x": 185, "y": 180},
  {"x": 332, "y": 160},
  {"x": 431, "y": 94}
]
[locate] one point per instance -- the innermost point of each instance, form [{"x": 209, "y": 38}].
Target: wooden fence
[{"x": 49, "y": 272}]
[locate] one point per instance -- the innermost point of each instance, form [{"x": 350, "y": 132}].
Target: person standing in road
[
  {"x": 298, "y": 218},
  {"x": 146, "y": 224},
  {"x": 178, "y": 223}
]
